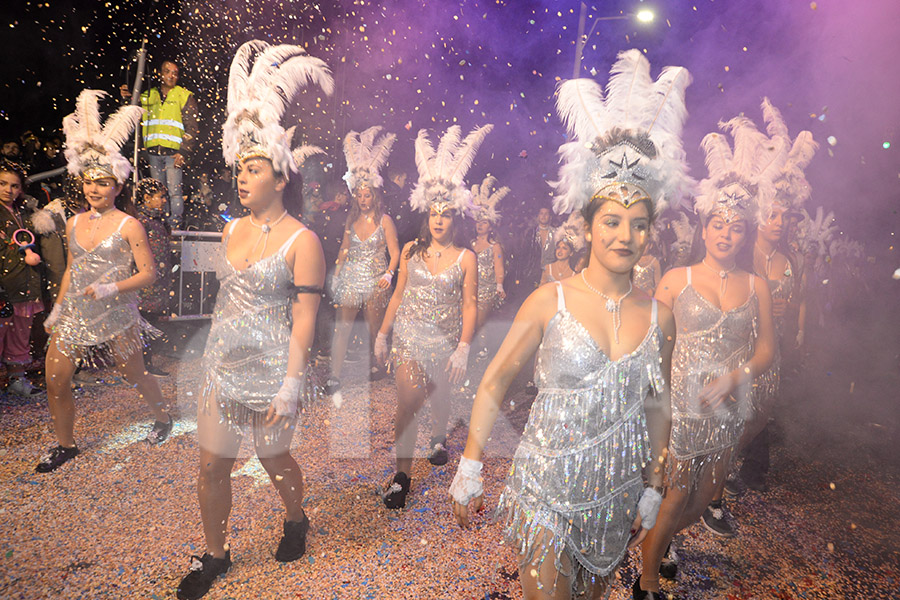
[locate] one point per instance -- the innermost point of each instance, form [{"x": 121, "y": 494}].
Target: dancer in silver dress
[
  {"x": 569, "y": 242},
  {"x": 433, "y": 309},
  {"x": 363, "y": 276},
  {"x": 724, "y": 342},
  {"x": 488, "y": 253},
  {"x": 773, "y": 262},
  {"x": 585, "y": 483},
  {"x": 271, "y": 271},
  {"x": 95, "y": 319}
]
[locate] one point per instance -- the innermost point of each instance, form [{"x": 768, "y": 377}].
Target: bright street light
[{"x": 645, "y": 15}]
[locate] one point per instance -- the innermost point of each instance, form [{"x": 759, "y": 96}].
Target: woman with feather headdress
[
  {"x": 256, "y": 358},
  {"x": 569, "y": 244},
  {"x": 724, "y": 341},
  {"x": 433, "y": 310},
  {"x": 576, "y": 499},
  {"x": 488, "y": 252},
  {"x": 363, "y": 275},
  {"x": 95, "y": 318}
]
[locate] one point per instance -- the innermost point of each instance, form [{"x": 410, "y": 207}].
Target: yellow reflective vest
[{"x": 162, "y": 124}]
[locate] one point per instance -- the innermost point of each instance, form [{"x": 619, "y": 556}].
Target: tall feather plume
[
  {"x": 239, "y": 73},
  {"x": 381, "y": 151},
  {"x": 87, "y": 112},
  {"x": 802, "y": 150},
  {"x": 628, "y": 89},
  {"x": 424, "y": 155},
  {"x": 366, "y": 154},
  {"x": 748, "y": 143},
  {"x": 669, "y": 91},
  {"x": 581, "y": 108},
  {"x": 775, "y": 125},
  {"x": 446, "y": 148},
  {"x": 301, "y": 153},
  {"x": 719, "y": 157},
  {"x": 120, "y": 125},
  {"x": 464, "y": 155},
  {"x": 352, "y": 150}
]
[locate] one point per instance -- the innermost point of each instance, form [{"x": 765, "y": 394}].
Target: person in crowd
[{"x": 489, "y": 254}]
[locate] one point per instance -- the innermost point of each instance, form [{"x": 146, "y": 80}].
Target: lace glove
[
  {"x": 53, "y": 317},
  {"x": 285, "y": 401},
  {"x": 104, "y": 290},
  {"x": 500, "y": 288},
  {"x": 467, "y": 483},
  {"x": 648, "y": 507},
  {"x": 388, "y": 277},
  {"x": 381, "y": 346},
  {"x": 460, "y": 357}
]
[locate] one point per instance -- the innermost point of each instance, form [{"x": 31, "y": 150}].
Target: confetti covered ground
[{"x": 121, "y": 521}]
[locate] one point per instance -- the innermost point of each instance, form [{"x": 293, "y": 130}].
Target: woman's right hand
[
  {"x": 462, "y": 511},
  {"x": 381, "y": 348},
  {"x": 716, "y": 391},
  {"x": 52, "y": 318}
]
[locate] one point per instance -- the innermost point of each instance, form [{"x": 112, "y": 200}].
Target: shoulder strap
[
  {"x": 459, "y": 258},
  {"x": 654, "y": 313},
  {"x": 688, "y": 275},
  {"x": 752, "y": 286},
  {"x": 291, "y": 239},
  {"x": 122, "y": 223},
  {"x": 75, "y": 220},
  {"x": 560, "y": 298}
]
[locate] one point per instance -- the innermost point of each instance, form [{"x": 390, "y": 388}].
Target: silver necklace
[
  {"x": 613, "y": 307},
  {"x": 266, "y": 228},
  {"x": 768, "y": 258},
  {"x": 723, "y": 276}
]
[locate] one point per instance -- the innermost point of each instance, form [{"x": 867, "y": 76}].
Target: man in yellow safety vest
[{"x": 169, "y": 132}]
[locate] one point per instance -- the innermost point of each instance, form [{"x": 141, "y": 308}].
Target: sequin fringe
[{"x": 110, "y": 352}]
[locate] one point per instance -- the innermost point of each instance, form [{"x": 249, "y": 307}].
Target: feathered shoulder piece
[
  {"x": 92, "y": 149},
  {"x": 486, "y": 196},
  {"x": 262, "y": 83},
  {"x": 572, "y": 231},
  {"x": 625, "y": 146},
  {"x": 366, "y": 154},
  {"x": 442, "y": 172},
  {"x": 791, "y": 188},
  {"x": 740, "y": 181}
]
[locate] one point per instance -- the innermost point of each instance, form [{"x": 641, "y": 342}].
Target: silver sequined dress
[
  {"x": 99, "y": 332},
  {"x": 246, "y": 356},
  {"x": 768, "y": 383},
  {"x": 709, "y": 344},
  {"x": 356, "y": 284},
  {"x": 577, "y": 472},
  {"x": 488, "y": 296},
  {"x": 429, "y": 319},
  {"x": 644, "y": 278}
]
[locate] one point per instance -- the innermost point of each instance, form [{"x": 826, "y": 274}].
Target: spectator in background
[
  {"x": 396, "y": 202},
  {"x": 169, "y": 133},
  {"x": 11, "y": 149}
]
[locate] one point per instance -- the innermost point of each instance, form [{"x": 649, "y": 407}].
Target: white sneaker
[{"x": 21, "y": 387}]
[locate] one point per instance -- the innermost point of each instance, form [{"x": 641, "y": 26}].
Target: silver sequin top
[
  {"x": 488, "y": 296},
  {"x": 429, "y": 319},
  {"x": 98, "y": 330},
  {"x": 769, "y": 382},
  {"x": 245, "y": 360},
  {"x": 578, "y": 469},
  {"x": 644, "y": 278},
  {"x": 356, "y": 284},
  {"x": 709, "y": 344}
]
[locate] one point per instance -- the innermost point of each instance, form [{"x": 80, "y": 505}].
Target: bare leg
[
  {"x": 218, "y": 450},
  {"x": 283, "y": 470},
  {"x": 411, "y": 392},
  {"x": 343, "y": 326},
  {"x": 440, "y": 406},
  {"x": 374, "y": 314},
  {"x": 539, "y": 580},
  {"x": 667, "y": 525},
  {"x": 711, "y": 481},
  {"x": 132, "y": 368},
  {"x": 59, "y": 370}
]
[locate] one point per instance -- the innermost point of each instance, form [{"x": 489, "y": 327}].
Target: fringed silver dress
[
  {"x": 709, "y": 344},
  {"x": 100, "y": 332},
  {"x": 429, "y": 319},
  {"x": 577, "y": 476},
  {"x": 488, "y": 296},
  {"x": 644, "y": 278},
  {"x": 768, "y": 383},
  {"x": 246, "y": 356},
  {"x": 356, "y": 284}
]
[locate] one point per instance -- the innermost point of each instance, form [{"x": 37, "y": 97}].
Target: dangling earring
[{"x": 588, "y": 236}]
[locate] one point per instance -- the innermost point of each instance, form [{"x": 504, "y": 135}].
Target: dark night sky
[{"x": 409, "y": 64}]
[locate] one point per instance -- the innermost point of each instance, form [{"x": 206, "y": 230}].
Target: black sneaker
[
  {"x": 715, "y": 519},
  {"x": 733, "y": 486},
  {"x": 638, "y": 594},
  {"x": 395, "y": 495},
  {"x": 668, "y": 566},
  {"x": 377, "y": 373},
  {"x": 204, "y": 571},
  {"x": 156, "y": 371},
  {"x": 332, "y": 385},
  {"x": 56, "y": 458},
  {"x": 160, "y": 431},
  {"x": 293, "y": 543},
  {"x": 438, "y": 455}
]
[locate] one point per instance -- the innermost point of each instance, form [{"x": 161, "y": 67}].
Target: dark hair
[
  {"x": 148, "y": 187},
  {"x": 169, "y": 60},
  {"x": 423, "y": 241},
  {"x": 744, "y": 258},
  {"x": 124, "y": 200},
  {"x": 14, "y": 167},
  {"x": 292, "y": 198},
  {"x": 590, "y": 209}
]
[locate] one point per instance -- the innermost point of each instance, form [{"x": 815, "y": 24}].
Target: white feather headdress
[
  {"x": 258, "y": 97},
  {"x": 442, "y": 172},
  {"x": 572, "y": 231},
  {"x": 740, "y": 183},
  {"x": 486, "y": 196},
  {"x": 301, "y": 153},
  {"x": 791, "y": 188},
  {"x": 626, "y": 146},
  {"x": 92, "y": 150},
  {"x": 366, "y": 154},
  {"x": 815, "y": 234}
]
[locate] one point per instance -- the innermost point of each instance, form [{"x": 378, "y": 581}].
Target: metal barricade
[{"x": 196, "y": 281}]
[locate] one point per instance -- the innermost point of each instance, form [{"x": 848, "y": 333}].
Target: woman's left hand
[
  {"x": 385, "y": 281},
  {"x": 715, "y": 392},
  {"x": 457, "y": 363},
  {"x": 638, "y": 533},
  {"x": 98, "y": 291}
]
